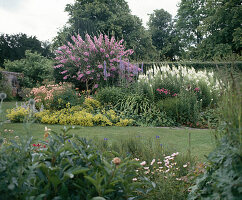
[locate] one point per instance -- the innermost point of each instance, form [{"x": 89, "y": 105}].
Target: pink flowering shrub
[{"x": 92, "y": 61}]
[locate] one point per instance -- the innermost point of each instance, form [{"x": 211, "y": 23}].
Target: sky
[{"x": 43, "y": 18}]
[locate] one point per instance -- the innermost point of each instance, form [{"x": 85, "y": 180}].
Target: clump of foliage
[
  {"x": 90, "y": 113},
  {"x": 223, "y": 177},
  {"x": 66, "y": 167},
  {"x": 34, "y": 67},
  {"x": 181, "y": 92},
  {"x": 55, "y": 96},
  {"x": 110, "y": 95}
]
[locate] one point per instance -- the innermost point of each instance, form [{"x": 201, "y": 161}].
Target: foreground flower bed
[{"x": 69, "y": 167}]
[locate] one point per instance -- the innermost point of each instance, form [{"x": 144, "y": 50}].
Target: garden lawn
[{"x": 172, "y": 139}]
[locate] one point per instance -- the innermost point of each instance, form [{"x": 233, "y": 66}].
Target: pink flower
[
  {"x": 85, "y": 59},
  {"x": 102, "y": 50},
  {"x": 143, "y": 163},
  {"x": 152, "y": 162},
  {"x": 65, "y": 77},
  {"x": 64, "y": 72},
  {"x": 88, "y": 72},
  {"x": 100, "y": 66},
  {"x": 80, "y": 76},
  {"x": 86, "y": 54},
  {"x": 95, "y": 86},
  {"x": 107, "y": 56}
]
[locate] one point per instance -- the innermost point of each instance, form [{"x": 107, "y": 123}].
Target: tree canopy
[
  {"x": 209, "y": 29},
  {"x": 13, "y": 47},
  {"x": 163, "y": 34},
  {"x": 110, "y": 18}
]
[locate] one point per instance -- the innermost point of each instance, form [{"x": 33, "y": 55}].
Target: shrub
[
  {"x": 188, "y": 108},
  {"x": 110, "y": 95},
  {"x": 143, "y": 111},
  {"x": 170, "y": 106},
  {"x": 54, "y": 96},
  {"x": 95, "y": 61},
  {"x": 35, "y": 68},
  {"x": 68, "y": 95},
  {"x": 92, "y": 105},
  {"x": 18, "y": 114}
]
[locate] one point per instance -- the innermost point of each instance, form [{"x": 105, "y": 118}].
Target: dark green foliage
[
  {"x": 169, "y": 106},
  {"x": 13, "y": 47},
  {"x": 15, "y": 174},
  {"x": 65, "y": 167},
  {"x": 209, "y": 29},
  {"x": 222, "y": 26},
  {"x": 188, "y": 107},
  {"x": 60, "y": 100},
  {"x": 143, "y": 111},
  {"x": 184, "y": 109},
  {"x": 34, "y": 67},
  {"x": 209, "y": 118},
  {"x": 223, "y": 177},
  {"x": 163, "y": 34},
  {"x": 110, "y": 95}
]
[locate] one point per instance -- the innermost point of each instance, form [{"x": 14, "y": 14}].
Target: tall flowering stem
[{"x": 92, "y": 61}]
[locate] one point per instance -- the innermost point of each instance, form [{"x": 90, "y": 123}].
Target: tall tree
[
  {"x": 163, "y": 35},
  {"x": 221, "y": 29},
  {"x": 13, "y": 47},
  {"x": 111, "y": 17},
  {"x": 189, "y": 17}
]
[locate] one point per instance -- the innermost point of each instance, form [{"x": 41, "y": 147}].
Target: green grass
[{"x": 172, "y": 139}]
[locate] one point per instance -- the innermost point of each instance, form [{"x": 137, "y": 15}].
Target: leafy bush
[
  {"x": 68, "y": 95},
  {"x": 55, "y": 96},
  {"x": 188, "y": 108},
  {"x": 66, "y": 167},
  {"x": 18, "y": 114},
  {"x": 169, "y": 105},
  {"x": 35, "y": 68},
  {"x": 110, "y": 95},
  {"x": 143, "y": 111}
]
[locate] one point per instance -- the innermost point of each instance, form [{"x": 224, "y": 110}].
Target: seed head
[
  {"x": 3, "y": 96},
  {"x": 116, "y": 161}
]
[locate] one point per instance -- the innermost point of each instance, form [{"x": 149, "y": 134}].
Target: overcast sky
[{"x": 43, "y": 18}]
